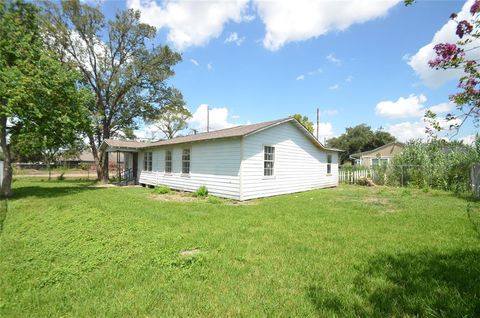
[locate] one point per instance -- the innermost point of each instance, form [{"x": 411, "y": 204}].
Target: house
[
  {"x": 242, "y": 162},
  {"x": 378, "y": 156},
  {"x": 86, "y": 157}
]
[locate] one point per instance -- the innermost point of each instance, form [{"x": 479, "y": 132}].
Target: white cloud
[
  {"x": 442, "y": 108},
  {"x": 412, "y": 106},
  {"x": 209, "y": 66},
  {"x": 332, "y": 58},
  {"x": 234, "y": 38},
  {"x": 406, "y": 57},
  {"x": 249, "y": 18},
  {"x": 190, "y": 23},
  {"x": 235, "y": 116},
  {"x": 194, "y": 62},
  {"x": 417, "y": 130},
  {"x": 325, "y": 131},
  {"x": 468, "y": 140},
  {"x": 419, "y": 61},
  {"x": 407, "y": 130},
  {"x": 328, "y": 112},
  {"x": 349, "y": 79},
  {"x": 334, "y": 87},
  {"x": 147, "y": 132},
  {"x": 194, "y": 23},
  {"x": 218, "y": 118},
  {"x": 286, "y": 21},
  {"x": 300, "y": 77}
]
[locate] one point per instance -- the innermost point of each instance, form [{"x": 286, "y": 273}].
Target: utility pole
[
  {"x": 208, "y": 118},
  {"x": 318, "y": 120}
]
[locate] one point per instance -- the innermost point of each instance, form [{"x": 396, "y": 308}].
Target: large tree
[
  {"x": 359, "y": 138},
  {"x": 119, "y": 62},
  {"x": 173, "y": 117},
  {"x": 38, "y": 95}
]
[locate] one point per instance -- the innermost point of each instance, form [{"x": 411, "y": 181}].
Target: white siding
[
  {"x": 299, "y": 164},
  {"x": 215, "y": 164}
]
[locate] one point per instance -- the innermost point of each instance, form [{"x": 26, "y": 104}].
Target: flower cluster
[
  {"x": 446, "y": 53},
  {"x": 475, "y": 7},
  {"x": 464, "y": 27}
]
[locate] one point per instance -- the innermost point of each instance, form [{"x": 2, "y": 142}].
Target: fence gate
[{"x": 475, "y": 176}]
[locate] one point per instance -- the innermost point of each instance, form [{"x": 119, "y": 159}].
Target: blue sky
[{"x": 358, "y": 61}]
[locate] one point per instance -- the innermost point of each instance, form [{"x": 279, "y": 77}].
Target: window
[
  {"x": 329, "y": 164},
  {"x": 147, "y": 161},
  {"x": 268, "y": 160},
  {"x": 186, "y": 161},
  {"x": 379, "y": 162},
  {"x": 168, "y": 161}
]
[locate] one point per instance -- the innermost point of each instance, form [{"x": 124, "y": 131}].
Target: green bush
[
  {"x": 202, "y": 192},
  {"x": 434, "y": 165},
  {"x": 162, "y": 190}
]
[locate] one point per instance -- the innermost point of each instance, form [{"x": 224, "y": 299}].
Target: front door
[{"x": 135, "y": 166}]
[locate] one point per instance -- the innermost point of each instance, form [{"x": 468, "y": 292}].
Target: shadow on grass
[
  {"x": 422, "y": 284},
  {"x": 51, "y": 189}
]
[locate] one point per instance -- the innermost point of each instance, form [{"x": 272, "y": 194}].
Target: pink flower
[
  {"x": 475, "y": 7},
  {"x": 463, "y": 27}
]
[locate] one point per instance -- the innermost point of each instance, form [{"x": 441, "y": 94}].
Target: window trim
[
  {"x": 186, "y": 174},
  {"x": 273, "y": 175},
  {"x": 148, "y": 161},
  {"x": 168, "y": 173},
  {"x": 385, "y": 161},
  {"x": 329, "y": 164}
]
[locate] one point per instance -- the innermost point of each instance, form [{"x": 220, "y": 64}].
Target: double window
[
  {"x": 329, "y": 164},
  {"x": 185, "y": 161},
  {"x": 147, "y": 161},
  {"x": 168, "y": 161},
  {"x": 379, "y": 161},
  {"x": 268, "y": 160}
]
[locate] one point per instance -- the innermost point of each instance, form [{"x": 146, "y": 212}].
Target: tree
[
  {"x": 460, "y": 55},
  {"x": 125, "y": 71},
  {"x": 38, "y": 95},
  {"x": 359, "y": 138},
  {"x": 173, "y": 117},
  {"x": 304, "y": 121}
]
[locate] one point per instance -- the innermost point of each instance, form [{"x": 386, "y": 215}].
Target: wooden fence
[{"x": 350, "y": 177}]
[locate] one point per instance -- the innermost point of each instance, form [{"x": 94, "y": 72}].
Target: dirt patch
[
  {"x": 190, "y": 252},
  {"x": 376, "y": 200},
  {"x": 174, "y": 197},
  {"x": 384, "y": 205}
]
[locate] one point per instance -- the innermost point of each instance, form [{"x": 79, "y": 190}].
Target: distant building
[{"x": 378, "y": 156}]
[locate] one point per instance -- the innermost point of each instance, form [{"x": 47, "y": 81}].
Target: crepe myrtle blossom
[{"x": 453, "y": 56}]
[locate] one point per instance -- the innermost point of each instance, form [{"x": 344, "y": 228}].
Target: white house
[{"x": 242, "y": 163}]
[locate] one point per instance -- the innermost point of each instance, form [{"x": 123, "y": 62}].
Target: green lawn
[{"x": 69, "y": 249}]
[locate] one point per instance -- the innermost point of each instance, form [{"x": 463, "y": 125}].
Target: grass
[{"x": 70, "y": 249}]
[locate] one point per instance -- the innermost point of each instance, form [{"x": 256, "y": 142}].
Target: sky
[{"x": 357, "y": 61}]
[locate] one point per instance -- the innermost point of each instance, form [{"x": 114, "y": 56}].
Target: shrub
[
  {"x": 202, "y": 192},
  {"x": 434, "y": 165},
  {"x": 162, "y": 190}
]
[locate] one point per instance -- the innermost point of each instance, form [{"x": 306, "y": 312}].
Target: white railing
[{"x": 351, "y": 177}]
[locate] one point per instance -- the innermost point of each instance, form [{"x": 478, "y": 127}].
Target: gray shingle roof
[{"x": 237, "y": 131}]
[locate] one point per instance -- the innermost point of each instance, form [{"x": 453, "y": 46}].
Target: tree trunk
[
  {"x": 7, "y": 164},
  {"x": 105, "y": 167},
  {"x": 96, "y": 157}
]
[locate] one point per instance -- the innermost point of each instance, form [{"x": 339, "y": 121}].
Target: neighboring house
[
  {"x": 86, "y": 157},
  {"x": 241, "y": 163},
  {"x": 378, "y": 156}
]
